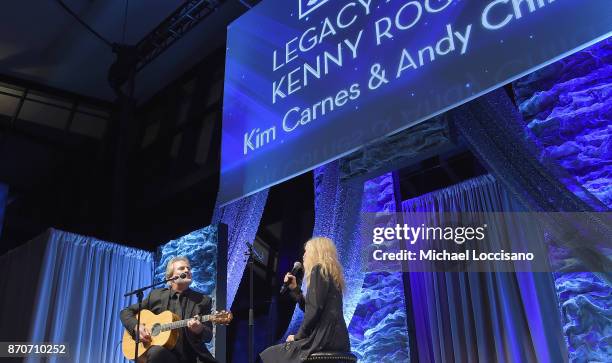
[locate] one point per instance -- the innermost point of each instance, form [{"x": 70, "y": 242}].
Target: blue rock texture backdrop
[
  {"x": 567, "y": 109},
  {"x": 378, "y": 329},
  {"x": 201, "y": 248}
]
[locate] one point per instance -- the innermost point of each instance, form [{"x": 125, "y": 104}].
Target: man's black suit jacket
[{"x": 196, "y": 304}]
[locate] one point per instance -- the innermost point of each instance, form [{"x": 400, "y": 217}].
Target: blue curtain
[
  {"x": 374, "y": 307},
  {"x": 486, "y": 316},
  {"x": 80, "y": 294},
  {"x": 337, "y": 212},
  {"x": 242, "y": 218},
  {"x": 337, "y": 209}
]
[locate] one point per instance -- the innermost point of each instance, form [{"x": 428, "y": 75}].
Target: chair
[{"x": 332, "y": 357}]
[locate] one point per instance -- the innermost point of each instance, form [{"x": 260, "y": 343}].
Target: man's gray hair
[{"x": 170, "y": 267}]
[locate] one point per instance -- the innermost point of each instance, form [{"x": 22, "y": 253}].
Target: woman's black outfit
[{"x": 323, "y": 328}]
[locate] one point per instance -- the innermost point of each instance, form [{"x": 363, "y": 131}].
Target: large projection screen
[{"x": 308, "y": 81}]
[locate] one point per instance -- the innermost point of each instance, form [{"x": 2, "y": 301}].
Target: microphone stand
[
  {"x": 249, "y": 254},
  {"x": 139, "y": 294}
]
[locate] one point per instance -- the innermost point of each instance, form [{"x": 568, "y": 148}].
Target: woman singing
[{"x": 323, "y": 328}]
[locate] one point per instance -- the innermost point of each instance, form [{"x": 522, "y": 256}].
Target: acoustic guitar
[{"x": 164, "y": 331}]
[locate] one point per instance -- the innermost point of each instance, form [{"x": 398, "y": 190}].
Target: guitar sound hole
[{"x": 156, "y": 330}]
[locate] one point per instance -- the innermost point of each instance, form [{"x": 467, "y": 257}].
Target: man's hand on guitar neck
[
  {"x": 195, "y": 326},
  {"x": 144, "y": 333}
]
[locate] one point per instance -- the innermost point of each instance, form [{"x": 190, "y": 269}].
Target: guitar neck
[{"x": 183, "y": 323}]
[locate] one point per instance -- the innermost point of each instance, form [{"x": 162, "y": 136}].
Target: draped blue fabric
[
  {"x": 337, "y": 208},
  {"x": 483, "y": 317},
  {"x": 374, "y": 307},
  {"x": 80, "y": 295},
  {"x": 337, "y": 213},
  {"x": 242, "y": 218}
]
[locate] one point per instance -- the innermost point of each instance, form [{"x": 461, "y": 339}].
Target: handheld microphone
[{"x": 298, "y": 272}]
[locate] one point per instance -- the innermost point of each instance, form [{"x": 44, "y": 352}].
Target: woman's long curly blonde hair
[{"x": 322, "y": 251}]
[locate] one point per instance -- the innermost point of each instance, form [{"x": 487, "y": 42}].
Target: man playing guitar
[{"x": 183, "y": 302}]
